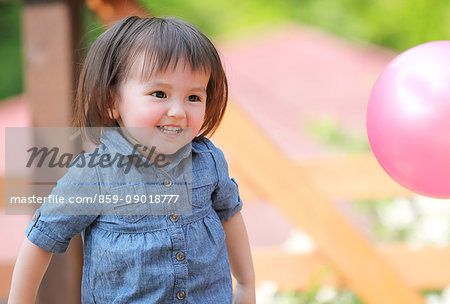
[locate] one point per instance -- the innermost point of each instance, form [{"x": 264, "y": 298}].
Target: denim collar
[{"x": 116, "y": 143}]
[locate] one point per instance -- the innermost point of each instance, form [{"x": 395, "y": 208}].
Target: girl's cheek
[
  {"x": 142, "y": 119},
  {"x": 197, "y": 124}
]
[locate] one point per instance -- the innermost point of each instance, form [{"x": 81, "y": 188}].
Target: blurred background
[{"x": 326, "y": 224}]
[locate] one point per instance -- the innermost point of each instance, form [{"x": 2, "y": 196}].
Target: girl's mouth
[{"x": 170, "y": 130}]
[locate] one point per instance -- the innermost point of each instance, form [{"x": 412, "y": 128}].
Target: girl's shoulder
[{"x": 206, "y": 146}]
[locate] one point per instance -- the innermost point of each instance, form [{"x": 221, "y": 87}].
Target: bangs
[{"x": 165, "y": 44}]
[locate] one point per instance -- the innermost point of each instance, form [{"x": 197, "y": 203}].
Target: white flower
[
  {"x": 326, "y": 294},
  {"x": 446, "y": 295},
  {"x": 265, "y": 292},
  {"x": 444, "y": 298},
  {"x": 435, "y": 230},
  {"x": 433, "y": 299},
  {"x": 398, "y": 214},
  {"x": 299, "y": 242},
  {"x": 433, "y": 225},
  {"x": 432, "y": 207}
]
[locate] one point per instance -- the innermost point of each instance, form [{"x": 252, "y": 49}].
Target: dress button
[
  {"x": 180, "y": 256},
  {"x": 181, "y": 295},
  {"x": 167, "y": 182},
  {"x": 173, "y": 218}
]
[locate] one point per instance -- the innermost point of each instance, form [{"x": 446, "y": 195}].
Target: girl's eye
[
  {"x": 194, "y": 98},
  {"x": 159, "y": 94}
]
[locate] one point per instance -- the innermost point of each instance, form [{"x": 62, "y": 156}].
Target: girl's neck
[{"x": 149, "y": 154}]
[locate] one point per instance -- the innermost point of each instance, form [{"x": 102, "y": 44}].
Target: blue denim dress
[{"x": 141, "y": 257}]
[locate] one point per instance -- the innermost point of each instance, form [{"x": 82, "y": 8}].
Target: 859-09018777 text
[{"x": 97, "y": 198}]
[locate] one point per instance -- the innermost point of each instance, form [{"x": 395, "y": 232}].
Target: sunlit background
[{"x": 301, "y": 72}]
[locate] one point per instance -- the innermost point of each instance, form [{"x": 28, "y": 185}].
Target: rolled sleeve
[
  {"x": 36, "y": 233},
  {"x": 54, "y": 232},
  {"x": 225, "y": 198},
  {"x": 54, "y": 224},
  {"x": 229, "y": 205}
]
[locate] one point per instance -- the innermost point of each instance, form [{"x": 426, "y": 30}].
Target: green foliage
[
  {"x": 223, "y": 18},
  {"x": 313, "y": 296},
  {"x": 11, "y": 50},
  {"x": 398, "y": 24},
  {"x": 333, "y": 136},
  {"x": 317, "y": 292},
  {"x": 382, "y": 232},
  {"x": 11, "y": 71},
  {"x": 92, "y": 27}
]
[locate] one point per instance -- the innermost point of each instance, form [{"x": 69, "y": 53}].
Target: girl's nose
[{"x": 176, "y": 109}]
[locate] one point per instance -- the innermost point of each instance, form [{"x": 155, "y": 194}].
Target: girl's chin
[
  {"x": 169, "y": 150},
  {"x": 162, "y": 148}
]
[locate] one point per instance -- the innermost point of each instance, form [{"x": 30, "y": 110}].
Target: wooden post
[
  {"x": 51, "y": 32},
  {"x": 111, "y": 11}
]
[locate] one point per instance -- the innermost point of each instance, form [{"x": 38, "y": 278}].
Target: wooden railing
[{"x": 378, "y": 274}]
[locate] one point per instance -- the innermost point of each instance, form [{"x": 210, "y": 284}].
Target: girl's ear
[{"x": 113, "y": 112}]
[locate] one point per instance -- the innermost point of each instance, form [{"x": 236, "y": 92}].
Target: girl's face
[{"x": 165, "y": 112}]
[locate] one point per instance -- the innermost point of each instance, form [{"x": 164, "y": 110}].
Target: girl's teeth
[{"x": 170, "y": 129}]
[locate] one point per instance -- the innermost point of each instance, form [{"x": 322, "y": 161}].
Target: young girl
[{"x": 159, "y": 81}]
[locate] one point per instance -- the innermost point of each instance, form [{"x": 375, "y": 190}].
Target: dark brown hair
[{"x": 163, "y": 41}]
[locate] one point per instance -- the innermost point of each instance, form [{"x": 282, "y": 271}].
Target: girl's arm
[
  {"x": 240, "y": 257},
  {"x": 30, "y": 267}
]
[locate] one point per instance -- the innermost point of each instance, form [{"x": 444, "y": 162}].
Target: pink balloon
[{"x": 408, "y": 119}]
